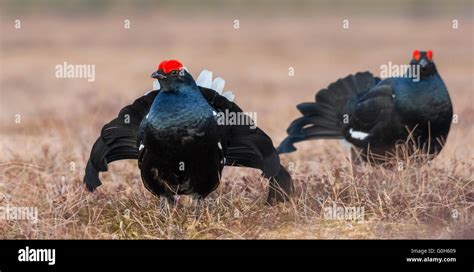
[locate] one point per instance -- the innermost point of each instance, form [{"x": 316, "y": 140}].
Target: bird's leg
[
  {"x": 356, "y": 158},
  {"x": 167, "y": 203},
  {"x": 196, "y": 201}
]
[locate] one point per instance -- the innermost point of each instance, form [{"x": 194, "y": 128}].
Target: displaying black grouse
[
  {"x": 375, "y": 115},
  {"x": 180, "y": 145}
]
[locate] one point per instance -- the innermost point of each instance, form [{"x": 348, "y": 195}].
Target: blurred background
[
  {"x": 255, "y": 59},
  {"x": 272, "y": 54}
]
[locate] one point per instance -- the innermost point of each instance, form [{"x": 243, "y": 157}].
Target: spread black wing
[
  {"x": 246, "y": 145},
  {"x": 243, "y": 145},
  {"x": 117, "y": 140}
]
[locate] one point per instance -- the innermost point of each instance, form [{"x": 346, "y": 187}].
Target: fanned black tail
[{"x": 324, "y": 119}]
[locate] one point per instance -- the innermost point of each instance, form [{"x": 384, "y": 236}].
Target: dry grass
[{"x": 61, "y": 118}]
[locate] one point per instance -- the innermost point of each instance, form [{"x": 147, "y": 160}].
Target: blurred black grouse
[
  {"x": 376, "y": 115},
  {"x": 180, "y": 146}
]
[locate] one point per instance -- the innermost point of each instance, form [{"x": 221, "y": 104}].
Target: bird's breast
[{"x": 181, "y": 132}]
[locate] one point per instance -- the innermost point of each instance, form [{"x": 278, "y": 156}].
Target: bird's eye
[{"x": 174, "y": 72}]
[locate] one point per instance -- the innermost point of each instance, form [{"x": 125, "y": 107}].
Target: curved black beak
[{"x": 158, "y": 75}]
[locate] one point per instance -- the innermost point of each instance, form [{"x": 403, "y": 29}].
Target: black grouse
[
  {"x": 375, "y": 115},
  {"x": 181, "y": 147}
]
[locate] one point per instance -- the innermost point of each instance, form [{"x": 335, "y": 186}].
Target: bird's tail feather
[{"x": 324, "y": 119}]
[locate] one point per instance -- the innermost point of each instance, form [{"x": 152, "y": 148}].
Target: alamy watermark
[
  {"x": 28, "y": 254},
  {"x": 67, "y": 70},
  {"x": 230, "y": 118},
  {"x": 400, "y": 71},
  {"x": 10, "y": 213},
  {"x": 349, "y": 213}
]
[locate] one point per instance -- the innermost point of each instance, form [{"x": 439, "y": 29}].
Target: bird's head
[
  {"x": 425, "y": 60},
  {"x": 171, "y": 74}
]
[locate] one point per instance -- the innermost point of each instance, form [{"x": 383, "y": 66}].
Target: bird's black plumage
[
  {"x": 375, "y": 115},
  {"x": 179, "y": 146}
]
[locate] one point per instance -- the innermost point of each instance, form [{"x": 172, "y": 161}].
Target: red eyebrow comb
[
  {"x": 429, "y": 54},
  {"x": 170, "y": 65},
  {"x": 416, "y": 55}
]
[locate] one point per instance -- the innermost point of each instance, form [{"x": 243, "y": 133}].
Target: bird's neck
[
  {"x": 421, "y": 73},
  {"x": 425, "y": 74},
  {"x": 182, "y": 98}
]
